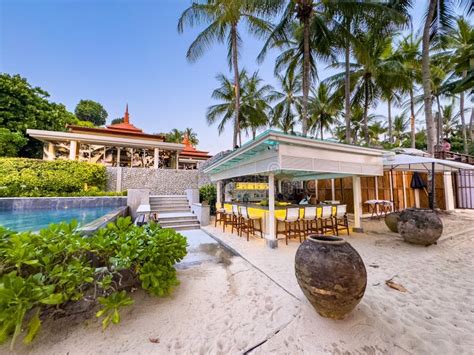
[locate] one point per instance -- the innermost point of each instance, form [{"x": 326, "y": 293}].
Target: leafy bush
[
  {"x": 33, "y": 178},
  {"x": 208, "y": 193},
  {"x": 48, "y": 271}
]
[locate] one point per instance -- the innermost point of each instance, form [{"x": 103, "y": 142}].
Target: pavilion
[
  {"x": 118, "y": 145},
  {"x": 287, "y": 157}
]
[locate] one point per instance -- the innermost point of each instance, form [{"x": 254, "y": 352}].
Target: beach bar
[{"x": 283, "y": 157}]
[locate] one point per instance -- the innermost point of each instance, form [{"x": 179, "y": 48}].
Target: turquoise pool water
[{"x": 33, "y": 220}]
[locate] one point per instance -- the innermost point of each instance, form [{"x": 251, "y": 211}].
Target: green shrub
[
  {"x": 50, "y": 270},
  {"x": 33, "y": 178},
  {"x": 208, "y": 193}
]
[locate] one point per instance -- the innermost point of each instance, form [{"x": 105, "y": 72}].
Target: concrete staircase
[{"x": 174, "y": 212}]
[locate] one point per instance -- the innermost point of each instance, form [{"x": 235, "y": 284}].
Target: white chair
[
  {"x": 326, "y": 219},
  {"x": 340, "y": 219},
  {"x": 292, "y": 223},
  {"x": 309, "y": 221}
]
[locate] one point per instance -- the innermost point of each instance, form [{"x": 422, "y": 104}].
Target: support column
[
  {"x": 404, "y": 186},
  {"x": 417, "y": 198},
  {"x": 448, "y": 191},
  {"x": 72, "y": 150},
  {"x": 271, "y": 240},
  {"x": 156, "y": 158},
  {"x": 391, "y": 190},
  {"x": 49, "y": 151},
  {"x": 131, "y": 157},
  {"x": 316, "y": 195},
  {"x": 333, "y": 190},
  {"x": 118, "y": 156},
  {"x": 177, "y": 160},
  {"x": 357, "y": 191},
  {"x": 376, "y": 185},
  {"x": 279, "y": 186},
  {"x": 218, "y": 193}
]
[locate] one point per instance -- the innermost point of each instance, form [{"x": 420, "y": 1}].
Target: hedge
[{"x": 21, "y": 177}]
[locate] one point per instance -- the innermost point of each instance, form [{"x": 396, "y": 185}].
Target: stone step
[
  {"x": 170, "y": 209},
  {"x": 183, "y": 227},
  {"x": 173, "y": 197},
  {"x": 185, "y": 222},
  {"x": 177, "y": 203},
  {"x": 176, "y": 218}
]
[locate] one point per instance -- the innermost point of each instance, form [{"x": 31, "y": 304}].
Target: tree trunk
[
  {"x": 235, "y": 66},
  {"x": 412, "y": 120},
  {"x": 471, "y": 125},
  {"x": 426, "y": 75},
  {"x": 347, "y": 89},
  {"x": 440, "y": 121},
  {"x": 463, "y": 119},
  {"x": 389, "y": 113},
  {"x": 306, "y": 75},
  {"x": 322, "y": 129},
  {"x": 366, "y": 109}
]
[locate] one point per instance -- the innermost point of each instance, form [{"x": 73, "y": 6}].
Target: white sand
[{"x": 222, "y": 309}]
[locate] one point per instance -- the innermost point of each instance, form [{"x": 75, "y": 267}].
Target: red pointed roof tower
[{"x": 125, "y": 126}]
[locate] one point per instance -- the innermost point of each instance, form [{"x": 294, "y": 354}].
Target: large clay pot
[
  {"x": 420, "y": 226},
  {"x": 391, "y": 220},
  {"x": 331, "y": 274}
]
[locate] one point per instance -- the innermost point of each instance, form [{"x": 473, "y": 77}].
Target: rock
[
  {"x": 331, "y": 274},
  {"x": 420, "y": 226},
  {"x": 391, "y": 220}
]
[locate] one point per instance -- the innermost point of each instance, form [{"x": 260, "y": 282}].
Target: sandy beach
[{"x": 235, "y": 304}]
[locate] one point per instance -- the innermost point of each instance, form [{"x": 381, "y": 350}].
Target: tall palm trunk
[
  {"x": 235, "y": 65},
  {"x": 412, "y": 120},
  {"x": 347, "y": 88},
  {"x": 322, "y": 130},
  {"x": 440, "y": 120},
  {"x": 425, "y": 71},
  {"x": 366, "y": 109},
  {"x": 306, "y": 75},
  {"x": 389, "y": 113},
  {"x": 463, "y": 119},
  {"x": 471, "y": 124}
]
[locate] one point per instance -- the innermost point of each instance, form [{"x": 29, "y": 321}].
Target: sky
[{"x": 126, "y": 51}]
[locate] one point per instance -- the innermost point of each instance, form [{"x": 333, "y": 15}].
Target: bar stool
[
  {"x": 326, "y": 219},
  {"x": 340, "y": 219},
  {"x": 228, "y": 218},
  {"x": 220, "y": 214},
  {"x": 309, "y": 221},
  {"x": 292, "y": 224},
  {"x": 236, "y": 220},
  {"x": 248, "y": 223}
]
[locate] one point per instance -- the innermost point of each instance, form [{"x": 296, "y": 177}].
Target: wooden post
[
  {"x": 218, "y": 194},
  {"x": 333, "y": 190},
  {"x": 156, "y": 158},
  {"x": 72, "y": 150},
  {"x": 271, "y": 240},
  {"x": 177, "y": 160},
  {"x": 357, "y": 191},
  {"x": 404, "y": 185},
  {"x": 448, "y": 191},
  {"x": 417, "y": 198},
  {"x": 316, "y": 195}
]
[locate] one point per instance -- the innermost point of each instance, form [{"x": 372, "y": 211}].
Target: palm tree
[
  {"x": 222, "y": 18},
  {"x": 460, "y": 44},
  {"x": 400, "y": 126},
  {"x": 376, "y": 129},
  {"x": 192, "y": 136},
  {"x": 408, "y": 53},
  {"x": 324, "y": 107},
  {"x": 374, "y": 68},
  {"x": 225, "y": 110},
  {"x": 377, "y": 16},
  {"x": 256, "y": 99},
  {"x": 450, "y": 120},
  {"x": 174, "y": 136},
  {"x": 285, "y": 110}
]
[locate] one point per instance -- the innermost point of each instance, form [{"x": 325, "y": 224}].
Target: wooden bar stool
[
  {"x": 220, "y": 214},
  {"x": 309, "y": 221},
  {"x": 236, "y": 220},
  {"x": 326, "y": 219},
  {"x": 248, "y": 224},
  {"x": 228, "y": 219},
  {"x": 292, "y": 224},
  {"x": 340, "y": 219}
]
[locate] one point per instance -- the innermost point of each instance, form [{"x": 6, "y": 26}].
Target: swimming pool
[{"x": 36, "y": 219}]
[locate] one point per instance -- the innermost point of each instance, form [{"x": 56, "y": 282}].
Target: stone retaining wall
[{"x": 159, "y": 181}]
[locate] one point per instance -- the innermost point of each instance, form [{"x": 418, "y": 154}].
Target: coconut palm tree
[
  {"x": 376, "y": 129},
  {"x": 225, "y": 110},
  {"x": 408, "y": 53},
  {"x": 284, "y": 113},
  {"x": 174, "y": 136},
  {"x": 400, "y": 127},
  {"x": 373, "y": 69},
  {"x": 222, "y": 19},
  {"x": 324, "y": 107},
  {"x": 256, "y": 100}
]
